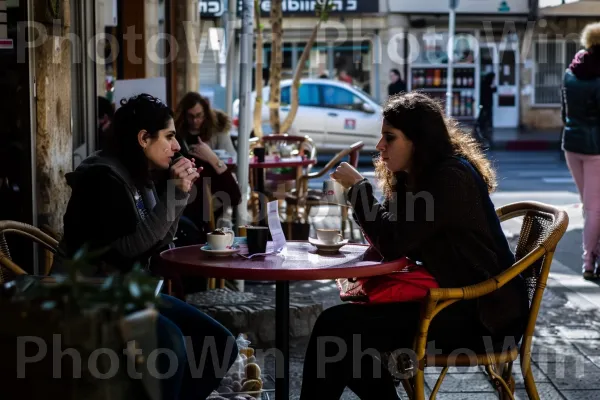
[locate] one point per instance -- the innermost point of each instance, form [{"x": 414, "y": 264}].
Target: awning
[{"x": 581, "y": 8}]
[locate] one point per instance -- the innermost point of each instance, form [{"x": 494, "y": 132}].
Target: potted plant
[{"x": 77, "y": 337}]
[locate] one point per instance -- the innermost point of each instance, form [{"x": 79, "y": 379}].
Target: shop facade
[
  {"x": 344, "y": 43},
  {"x": 491, "y": 44}
]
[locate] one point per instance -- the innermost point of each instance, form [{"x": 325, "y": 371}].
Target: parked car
[{"x": 333, "y": 114}]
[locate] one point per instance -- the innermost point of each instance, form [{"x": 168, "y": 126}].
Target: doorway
[{"x": 502, "y": 60}]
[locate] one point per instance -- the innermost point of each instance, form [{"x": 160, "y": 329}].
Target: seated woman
[
  {"x": 116, "y": 205},
  {"x": 200, "y": 130},
  {"x": 436, "y": 211}
]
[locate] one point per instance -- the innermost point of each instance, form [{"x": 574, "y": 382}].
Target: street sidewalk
[{"x": 566, "y": 348}]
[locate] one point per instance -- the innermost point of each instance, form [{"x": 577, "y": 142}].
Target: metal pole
[
  {"x": 243, "y": 150},
  {"x": 230, "y": 37},
  {"x": 377, "y": 68},
  {"x": 450, "y": 80}
]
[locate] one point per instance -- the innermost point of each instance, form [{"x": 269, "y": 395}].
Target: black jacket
[
  {"x": 452, "y": 228},
  {"x": 581, "y": 114},
  {"x": 108, "y": 211}
]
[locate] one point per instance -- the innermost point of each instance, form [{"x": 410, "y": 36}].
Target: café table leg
[{"x": 282, "y": 336}]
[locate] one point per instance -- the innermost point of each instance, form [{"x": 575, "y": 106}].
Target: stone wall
[
  {"x": 54, "y": 142},
  {"x": 536, "y": 117}
]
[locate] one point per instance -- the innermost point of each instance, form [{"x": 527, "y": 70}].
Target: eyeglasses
[{"x": 196, "y": 116}]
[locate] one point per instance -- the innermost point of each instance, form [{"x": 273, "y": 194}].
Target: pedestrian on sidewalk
[
  {"x": 581, "y": 139},
  {"x": 455, "y": 234}
]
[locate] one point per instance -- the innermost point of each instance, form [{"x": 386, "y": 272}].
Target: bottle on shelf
[{"x": 437, "y": 78}]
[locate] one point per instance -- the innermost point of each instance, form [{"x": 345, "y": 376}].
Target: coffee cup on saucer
[
  {"x": 219, "y": 239},
  {"x": 329, "y": 236}
]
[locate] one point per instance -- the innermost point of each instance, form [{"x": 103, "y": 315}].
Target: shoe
[{"x": 590, "y": 275}]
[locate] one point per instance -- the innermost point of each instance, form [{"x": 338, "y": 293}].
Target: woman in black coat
[{"x": 436, "y": 211}]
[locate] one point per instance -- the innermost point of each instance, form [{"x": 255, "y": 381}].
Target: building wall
[{"x": 54, "y": 141}]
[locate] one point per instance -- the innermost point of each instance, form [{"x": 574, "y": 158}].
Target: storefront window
[
  {"x": 431, "y": 47},
  {"x": 352, "y": 60},
  {"x": 286, "y": 63}
]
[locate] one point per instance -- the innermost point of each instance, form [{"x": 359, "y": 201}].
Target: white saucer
[
  {"x": 219, "y": 253},
  {"x": 327, "y": 247}
]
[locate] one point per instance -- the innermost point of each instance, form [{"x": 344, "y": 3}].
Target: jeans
[
  {"x": 346, "y": 342},
  {"x": 205, "y": 350},
  {"x": 584, "y": 169}
]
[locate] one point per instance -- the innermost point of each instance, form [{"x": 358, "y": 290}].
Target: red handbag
[{"x": 410, "y": 283}]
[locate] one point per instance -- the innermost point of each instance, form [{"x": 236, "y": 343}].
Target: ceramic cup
[
  {"x": 219, "y": 240},
  {"x": 257, "y": 237},
  {"x": 329, "y": 236}
]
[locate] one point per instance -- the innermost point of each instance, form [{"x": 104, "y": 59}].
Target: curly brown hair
[
  {"x": 435, "y": 138},
  {"x": 208, "y": 127}
]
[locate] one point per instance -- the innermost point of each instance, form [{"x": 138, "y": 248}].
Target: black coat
[
  {"x": 108, "y": 211},
  {"x": 581, "y": 114},
  {"x": 453, "y": 230}
]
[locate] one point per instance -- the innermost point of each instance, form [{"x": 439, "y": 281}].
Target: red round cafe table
[{"x": 299, "y": 261}]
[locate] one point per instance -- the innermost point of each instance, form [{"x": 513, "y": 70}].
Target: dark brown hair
[
  {"x": 181, "y": 125},
  {"x": 137, "y": 113},
  {"x": 434, "y": 137}
]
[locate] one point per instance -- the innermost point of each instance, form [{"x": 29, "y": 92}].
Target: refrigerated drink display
[{"x": 433, "y": 81}]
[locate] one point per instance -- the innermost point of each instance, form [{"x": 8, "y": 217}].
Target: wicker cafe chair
[
  {"x": 543, "y": 227},
  {"x": 306, "y": 198},
  {"x": 8, "y": 269}
]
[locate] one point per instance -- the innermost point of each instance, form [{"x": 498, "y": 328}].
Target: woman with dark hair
[
  {"x": 397, "y": 85},
  {"x": 581, "y": 140},
  {"x": 200, "y": 131},
  {"x": 437, "y": 212},
  {"x": 126, "y": 202}
]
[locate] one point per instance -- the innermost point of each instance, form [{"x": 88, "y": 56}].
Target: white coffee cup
[
  {"x": 334, "y": 193},
  {"x": 329, "y": 236},
  {"x": 220, "y": 241}
]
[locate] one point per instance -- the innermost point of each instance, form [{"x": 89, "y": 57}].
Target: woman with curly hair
[
  {"x": 200, "y": 131},
  {"x": 437, "y": 212},
  {"x": 581, "y": 139}
]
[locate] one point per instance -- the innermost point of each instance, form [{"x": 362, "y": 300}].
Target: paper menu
[{"x": 279, "y": 242}]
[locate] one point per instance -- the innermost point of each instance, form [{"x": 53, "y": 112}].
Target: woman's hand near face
[
  {"x": 346, "y": 175},
  {"x": 203, "y": 152},
  {"x": 185, "y": 174}
]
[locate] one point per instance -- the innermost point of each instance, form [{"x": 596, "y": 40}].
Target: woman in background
[
  {"x": 200, "y": 131},
  {"x": 581, "y": 139}
]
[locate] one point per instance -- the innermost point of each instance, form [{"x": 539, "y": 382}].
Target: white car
[{"x": 333, "y": 114}]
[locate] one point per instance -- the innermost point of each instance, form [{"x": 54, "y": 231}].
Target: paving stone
[
  {"x": 590, "y": 348},
  {"x": 547, "y": 391},
  {"x": 538, "y": 375},
  {"x": 573, "y": 374},
  {"x": 455, "y": 370},
  {"x": 577, "y": 332},
  {"x": 462, "y": 383},
  {"x": 581, "y": 394}
]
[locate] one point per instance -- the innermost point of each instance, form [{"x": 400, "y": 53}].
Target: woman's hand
[
  {"x": 203, "y": 152},
  {"x": 346, "y": 175},
  {"x": 185, "y": 174}
]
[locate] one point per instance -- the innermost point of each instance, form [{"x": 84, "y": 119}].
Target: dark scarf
[{"x": 586, "y": 64}]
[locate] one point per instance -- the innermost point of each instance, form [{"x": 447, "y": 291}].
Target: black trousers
[{"x": 346, "y": 342}]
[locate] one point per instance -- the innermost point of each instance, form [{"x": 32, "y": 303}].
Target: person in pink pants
[
  {"x": 585, "y": 169},
  {"x": 581, "y": 138}
]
